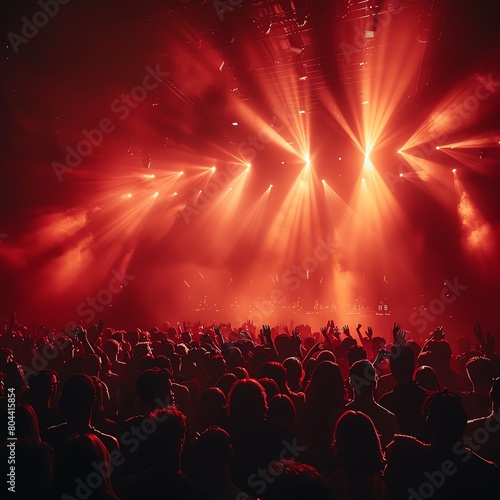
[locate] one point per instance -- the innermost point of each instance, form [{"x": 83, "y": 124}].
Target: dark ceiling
[{"x": 74, "y": 67}]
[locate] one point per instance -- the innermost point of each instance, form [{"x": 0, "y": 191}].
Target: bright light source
[
  {"x": 156, "y": 194},
  {"x": 249, "y": 165},
  {"x": 270, "y": 186},
  {"x": 234, "y": 124},
  {"x": 399, "y": 151},
  {"x": 363, "y": 180},
  {"x": 229, "y": 189},
  {"x": 302, "y": 112},
  {"x": 129, "y": 195},
  {"x": 400, "y": 175},
  {"x": 181, "y": 173},
  {"x": 175, "y": 194},
  {"x": 437, "y": 147},
  {"x": 201, "y": 191},
  {"x": 323, "y": 181},
  {"x": 454, "y": 170},
  {"x": 213, "y": 169},
  {"x": 282, "y": 162},
  {"x": 340, "y": 158},
  {"x": 365, "y": 102}
]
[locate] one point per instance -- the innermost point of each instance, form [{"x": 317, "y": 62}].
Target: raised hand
[
  {"x": 395, "y": 330},
  {"x": 400, "y": 338},
  {"x": 358, "y": 328},
  {"x": 266, "y": 331},
  {"x": 369, "y": 332},
  {"x": 100, "y": 327},
  {"x": 478, "y": 332},
  {"x": 489, "y": 346},
  {"x": 244, "y": 334},
  {"x": 346, "y": 331},
  {"x": 296, "y": 338},
  {"x": 438, "y": 333}
]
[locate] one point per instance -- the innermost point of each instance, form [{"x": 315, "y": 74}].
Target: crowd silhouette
[{"x": 231, "y": 413}]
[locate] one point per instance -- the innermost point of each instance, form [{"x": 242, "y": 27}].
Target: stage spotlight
[
  {"x": 363, "y": 180},
  {"x": 454, "y": 170},
  {"x": 400, "y": 175},
  {"x": 156, "y": 194},
  {"x": 249, "y": 165},
  {"x": 181, "y": 173},
  {"x": 437, "y": 147},
  {"x": 129, "y": 195},
  {"x": 213, "y": 169},
  {"x": 175, "y": 194},
  {"x": 399, "y": 151},
  {"x": 323, "y": 181},
  {"x": 270, "y": 186},
  {"x": 340, "y": 158},
  {"x": 234, "y": 124},
  {"x": 302, "y": 111}
]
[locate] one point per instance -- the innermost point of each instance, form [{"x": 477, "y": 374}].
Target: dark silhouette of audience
[
  {"x": 359, "y": 459},
  {"x": 445, "y": 468},
  {"x": 220, "y": 413}
]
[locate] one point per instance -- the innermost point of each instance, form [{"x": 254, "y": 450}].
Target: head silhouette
[
  {"x": 77, "y": 397},
  {"x": 282, "y": 411},
  {"x": 480, "y": 371},
  {"x": 27, "y": 422},
  {"x": 275, "y": 371},
  {"x": 445, "y": 417},
  {"x": 355, "y": 353},
  {"x": 426, "y": 377},
  {"x": 154, "y": 386},
  {"x": 294, "y": 370},
  {"x": 213, "y": 449},
  {"x": 402, "y": 363},
  {"x": 212, "y": 403},
  {"x": 326, "y": 385},
  {"x": 363, "y": 378},
  {"x": 357, "y": 443},
  {"x": 247, "y": 401},
  {"x": 43, "y": 386}
]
